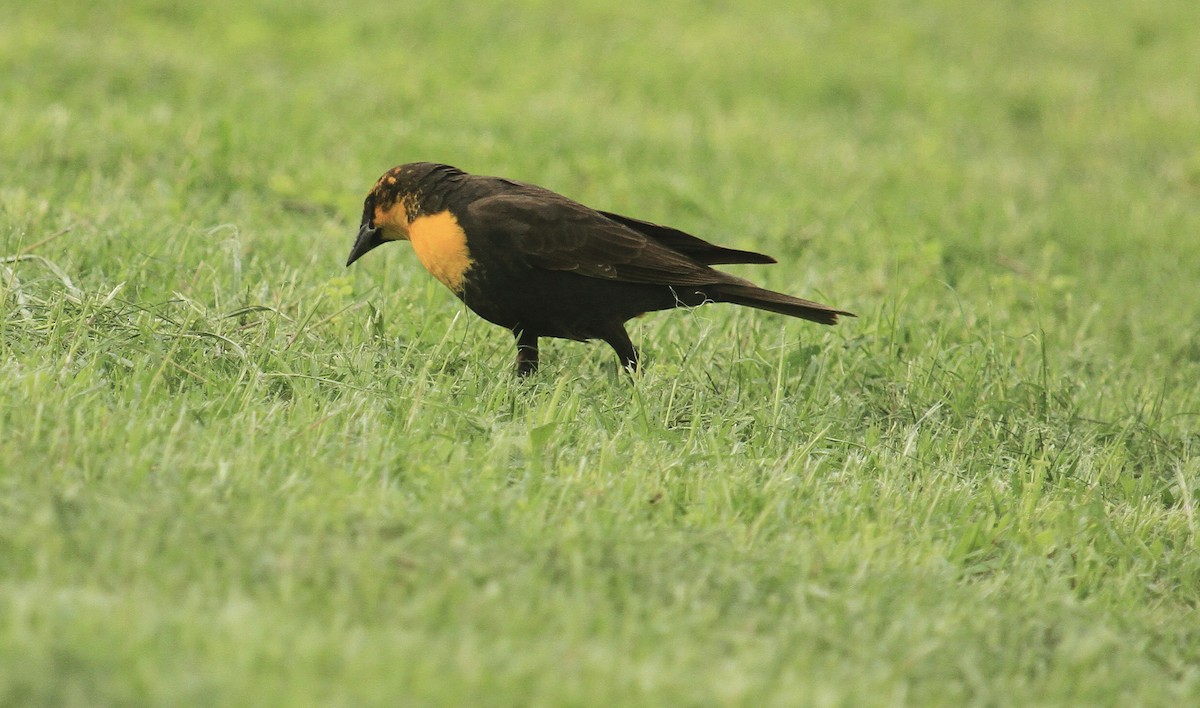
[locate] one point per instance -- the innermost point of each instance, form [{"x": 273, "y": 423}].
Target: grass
[{"x": 235, "y": 473}]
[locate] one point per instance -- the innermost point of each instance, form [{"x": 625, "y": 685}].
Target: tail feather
[{"x": 771, "y": 301}]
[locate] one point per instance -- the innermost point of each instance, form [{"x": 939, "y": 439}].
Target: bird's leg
[
  {"x": 527, "y": 353},
  {"x": 618, "y": 339}
]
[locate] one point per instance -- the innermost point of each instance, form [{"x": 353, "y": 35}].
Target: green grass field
[{"x": 233, "y": 472}]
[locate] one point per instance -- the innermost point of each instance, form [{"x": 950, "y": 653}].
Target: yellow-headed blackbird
[{"x": 543, "y": 265}]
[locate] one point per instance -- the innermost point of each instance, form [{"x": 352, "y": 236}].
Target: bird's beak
[{"x": 368, "y": 238}]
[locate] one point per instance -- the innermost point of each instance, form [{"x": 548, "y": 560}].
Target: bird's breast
[{"x": 441, "y": 246}]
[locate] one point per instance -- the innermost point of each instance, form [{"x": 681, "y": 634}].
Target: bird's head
[
  {"x": 385, "y": 215},
  {"x": 399, "y": 196}
]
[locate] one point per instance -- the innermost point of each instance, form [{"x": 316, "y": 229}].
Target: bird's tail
[{"x": 762, "y": 299}]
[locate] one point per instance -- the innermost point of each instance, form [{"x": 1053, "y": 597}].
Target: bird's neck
[{"x": 435, "y": 191}]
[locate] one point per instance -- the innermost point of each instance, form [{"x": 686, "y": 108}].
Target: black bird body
[{"x": 543, "y": 265}]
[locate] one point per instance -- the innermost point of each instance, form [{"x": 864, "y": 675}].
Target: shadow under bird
[{"x": 543, "y": 265}]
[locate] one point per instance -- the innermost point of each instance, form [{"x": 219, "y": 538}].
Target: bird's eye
[{"x": 368, "y": 216}]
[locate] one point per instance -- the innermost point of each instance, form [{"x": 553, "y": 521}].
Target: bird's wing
[
  {"x": 696, "y": 248},
  {"x": 554, "y": 233}
]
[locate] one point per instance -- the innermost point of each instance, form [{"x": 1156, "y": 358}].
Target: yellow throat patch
[{"x": 441, "y": 246}]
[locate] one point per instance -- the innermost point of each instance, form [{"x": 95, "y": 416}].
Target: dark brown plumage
[{"x": 542, "y": 265}]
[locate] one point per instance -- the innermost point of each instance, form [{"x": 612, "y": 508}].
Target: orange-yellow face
[{"x": 390, "y": 209}]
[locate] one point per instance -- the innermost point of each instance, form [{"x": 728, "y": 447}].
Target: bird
[{"x": 543, "y": 265}]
